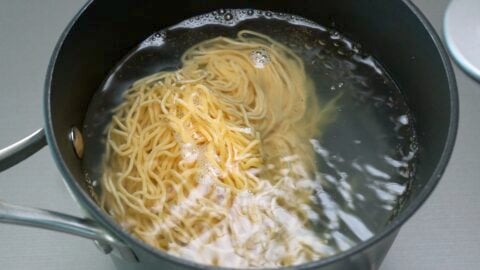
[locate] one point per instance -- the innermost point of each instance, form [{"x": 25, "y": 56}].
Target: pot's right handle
[{"x": 32, "y": 217}]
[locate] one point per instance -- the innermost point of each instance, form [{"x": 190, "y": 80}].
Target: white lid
[{"x": 462, "y": 34}]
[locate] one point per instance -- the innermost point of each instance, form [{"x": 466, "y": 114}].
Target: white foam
[
  {"x": 155, "y": 40},
  {"x": 190, "y": 152},
  {"x": 232, "y": 17}
]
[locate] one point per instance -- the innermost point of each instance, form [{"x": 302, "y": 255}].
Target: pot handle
[
  {"x": 39, "y": 218},
  {"x": 22, "y": 149}
]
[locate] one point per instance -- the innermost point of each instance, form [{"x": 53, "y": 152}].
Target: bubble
[
  {"x": 221, "y": 11},
  {"x": 250, "y": 12},
  {"x": 159, "y": 36},
  {"x": 156, "y": 39},
  {"x": 268, "y": 14},
  {"x": 403, "y": 119},
  {"x": 228, "y": 17},
  {"x": 334, "y": 34},
  {"x": 260, "y": 57}
]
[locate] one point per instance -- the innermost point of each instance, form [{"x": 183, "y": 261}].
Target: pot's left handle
[
  {"x": 22, "y": 149},
  {"x": 50, "y": 220}
]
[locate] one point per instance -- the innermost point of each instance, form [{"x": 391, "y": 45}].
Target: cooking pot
[{"x": 394, "y": 32}]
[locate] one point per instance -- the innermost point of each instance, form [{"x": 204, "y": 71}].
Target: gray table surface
[{"x": 443, "y": 234}]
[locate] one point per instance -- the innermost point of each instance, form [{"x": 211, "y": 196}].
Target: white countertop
[{"x": 443, "y": 235}]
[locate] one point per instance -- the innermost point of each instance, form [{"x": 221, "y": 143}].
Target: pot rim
[{"x": 106, "y": 221}]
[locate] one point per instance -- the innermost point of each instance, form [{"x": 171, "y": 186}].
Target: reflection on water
[{"x": 366, "y": 157}]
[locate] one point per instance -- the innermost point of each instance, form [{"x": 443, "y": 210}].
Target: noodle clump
[{"x": 212, "y": 162}]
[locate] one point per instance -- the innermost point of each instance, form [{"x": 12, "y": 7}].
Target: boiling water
[{"x": 366, "y": 157}]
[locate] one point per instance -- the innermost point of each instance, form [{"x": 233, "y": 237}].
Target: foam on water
[{"x": 232, "y": 17}]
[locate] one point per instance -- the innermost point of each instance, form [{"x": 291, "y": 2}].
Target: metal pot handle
[
  {"x": 19, "y": 215},
  {"x": 22, "y": 149}
]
